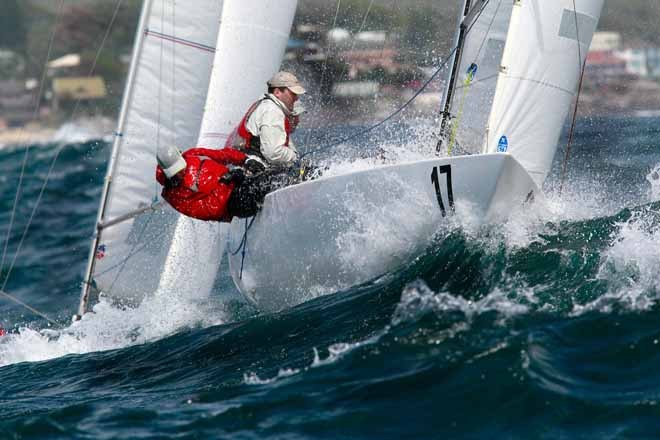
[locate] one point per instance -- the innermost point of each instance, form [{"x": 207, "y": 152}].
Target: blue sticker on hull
[{"x": 503, "y": 145}]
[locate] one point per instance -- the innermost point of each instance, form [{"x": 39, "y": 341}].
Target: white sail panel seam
[{"x": 541, "y": 83}]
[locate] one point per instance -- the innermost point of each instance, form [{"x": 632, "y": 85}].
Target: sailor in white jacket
[{"x": 267, "y": 125}]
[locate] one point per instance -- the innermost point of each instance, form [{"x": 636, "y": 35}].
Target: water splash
[
  {"x": 110, "y": 327},
  {"x": 654, "y": 179},
  {"x": 630, "y": 265}
]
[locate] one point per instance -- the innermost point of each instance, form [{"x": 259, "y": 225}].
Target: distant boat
[{"x": 513, "y": 77}]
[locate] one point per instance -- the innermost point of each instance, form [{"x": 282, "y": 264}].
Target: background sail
[
  {"x": 250, "y": 46},
  {"x": 163, "y": 104},
  {"x": 546, "y": 48},
  {"x": 484, "y": 47}
]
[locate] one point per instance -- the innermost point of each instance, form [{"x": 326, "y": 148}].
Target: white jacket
[{"x": 267, "y": 122}]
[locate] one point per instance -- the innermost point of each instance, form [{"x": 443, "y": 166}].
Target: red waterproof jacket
[{"x": 200, "y": 194}]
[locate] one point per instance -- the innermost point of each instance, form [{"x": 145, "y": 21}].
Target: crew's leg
[{"x": 246, "y": 199}]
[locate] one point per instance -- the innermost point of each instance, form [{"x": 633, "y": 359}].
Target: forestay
[
  {"x": 486, "y": 24},
  {"x": 250, "y": 46},
  {"x": 546, "y": 47},
  {"x": 163, "y": 104}
]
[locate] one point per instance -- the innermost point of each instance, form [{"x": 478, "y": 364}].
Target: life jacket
[{"x": 251, "y": 144}]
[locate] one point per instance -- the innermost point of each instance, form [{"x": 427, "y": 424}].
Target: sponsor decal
[{"x": 503, "y": 145}]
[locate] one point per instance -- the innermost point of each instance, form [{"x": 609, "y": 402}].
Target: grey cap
[
  {"x": 170, "y": 160},
  {"x": 288, "y": 80}
]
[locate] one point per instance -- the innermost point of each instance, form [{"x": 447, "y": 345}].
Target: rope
[
  {"x": 343, "y": 71},
  {"x": 27, "y": 148},
  {"x": 399, "y": 110},
  {"x": 160, "y": 84},
  {"x": 243, "y": 241},
  {"x": 469, "y": 80},
  {"x": 139, "y": 239},
  {"x": 57, "y": 151},
  {"x": 174, "y": 132},
  {"x": 98, "y": 53},
  {"x": 407, "y": 103},
  {"x": 27, "y": 306},
  {"x": 577, "y": 101},
  {"x": 324, "y": 69}
]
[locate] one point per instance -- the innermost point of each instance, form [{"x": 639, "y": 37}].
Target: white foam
[
  {"x": 110, "y": 327},
  {"x": 252, "y": 378},
  {"x": 630, "y": 266},
  {"x": 84, "y": 130},
  {"x": 654, "y": 179},
  {"x": 390, "y": 229},
  {"x": 418, "y": 300}
]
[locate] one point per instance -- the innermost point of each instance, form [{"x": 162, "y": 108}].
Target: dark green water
[{"x": 545, "y": 327}]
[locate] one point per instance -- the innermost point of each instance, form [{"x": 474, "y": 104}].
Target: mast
[
  {"x": 128, "y": 95},
  {"x": 449, "y": 91}
]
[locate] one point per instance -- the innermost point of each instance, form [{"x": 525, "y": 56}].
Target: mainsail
[
  {"x": 250, "y": 46},
  {"x": 163, "y": 103},
  {"x": 546, "y": 48}
]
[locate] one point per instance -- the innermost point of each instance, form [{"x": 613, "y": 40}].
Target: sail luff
[
  {"x": 459, "y": 41},
  {"x": 486, "y": 25},
  {"x": 116, "y": 146}
]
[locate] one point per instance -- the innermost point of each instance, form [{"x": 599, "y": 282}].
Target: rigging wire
[
  {"x": 55, "y": 157},
  {"x": 160, "y": 84},
  {"x": 405, "y": 105},
  {"x": 27, "y": 148},
  {"x": 469, "y": 80},
  {"x": 583, "y": 66},
  {"x": 399, "y": 110},
  {"x": 174, "y": 131},
  {"x": 343, "y": 71},
  {"x": 324, "y": 69},
  {"x": 29, "y": 307}
]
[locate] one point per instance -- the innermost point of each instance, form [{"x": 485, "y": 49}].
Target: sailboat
[
  {"x": 198, "y": 65},
  {"x": 515, "y": 73}
]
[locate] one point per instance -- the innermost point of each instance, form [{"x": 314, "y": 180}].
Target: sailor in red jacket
[{"x": 199, "y": 184}]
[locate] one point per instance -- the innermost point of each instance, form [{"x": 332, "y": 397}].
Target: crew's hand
[{"x": 254, "y": 165}]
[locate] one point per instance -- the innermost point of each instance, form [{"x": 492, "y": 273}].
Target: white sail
[
  {"x": 486, "y": 26},
  {"x": 249, "y": 49},
  {"x": 546, "y": 47},
  {"x": 163, "y": 104}
]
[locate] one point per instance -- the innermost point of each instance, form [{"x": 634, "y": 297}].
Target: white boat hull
[{"x": 329, "y": 234}]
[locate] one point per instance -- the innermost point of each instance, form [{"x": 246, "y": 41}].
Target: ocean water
[{"x": 547, "y": 326}]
